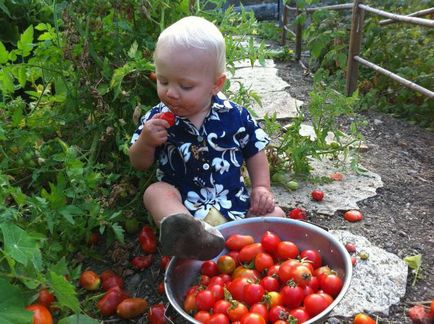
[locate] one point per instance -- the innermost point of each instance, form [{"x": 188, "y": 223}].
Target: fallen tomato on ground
[
  {"x": 148, "y": 240},
  {"x": 298, "y": 213},
  {"x": 112, "y": 281},
  {"x": 89, "y": 280},
  {"x": 317, "y": 195},
  {"x": 363, "y": 319},
  {"x": 108, "y": 304},
  {"x": 156, "y": 314},
  {"x": 131, "y": 307},
  {"x": 418, "y": 315},
  {"x": 45, "y": 298},
  {"x": 353, "y": 216},
  {"x": 142, "y": 262},
  {"x": 41, "y": 315}
]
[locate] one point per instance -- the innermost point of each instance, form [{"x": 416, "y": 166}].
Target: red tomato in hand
[
  {"x": 169, "y": 117},
  {"x": 353, "y": 216},
  {"x": 237, "y": 241},
  {"x": 270, "y": 241},
  {"x": 313, "y": 256},
  {"x": 41, "y": 315},
  {"x": 317, "y": 195},
  {"x": 148, "y": 240}
]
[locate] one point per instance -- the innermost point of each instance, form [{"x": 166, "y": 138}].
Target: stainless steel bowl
[{"x": 182, "y": 273}]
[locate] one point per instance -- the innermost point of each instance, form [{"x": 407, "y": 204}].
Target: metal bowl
[{"x": 182, "y": 273}]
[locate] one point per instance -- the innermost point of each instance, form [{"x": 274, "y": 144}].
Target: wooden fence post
[
  {"x": 354, "y": 48},
  {"x": 298, "y": 34},
  {"x": 284, "y": 26}
]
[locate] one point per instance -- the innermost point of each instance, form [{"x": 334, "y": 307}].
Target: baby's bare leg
[
  {"x": 181, "y": 234},
  {"x": 277, "y": 212}
]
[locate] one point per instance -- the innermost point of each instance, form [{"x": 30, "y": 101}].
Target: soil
[{"x": 398, "y": 219}]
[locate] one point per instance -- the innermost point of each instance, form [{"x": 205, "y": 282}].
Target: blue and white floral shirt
[{"x": 205, "y": 164}]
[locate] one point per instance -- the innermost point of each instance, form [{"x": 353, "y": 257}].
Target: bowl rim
[{"x": 347, "y": 263}]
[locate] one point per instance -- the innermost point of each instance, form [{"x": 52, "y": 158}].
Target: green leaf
[
  {"x": 133, "y": 50},
  {"x": 64, "y": 291},
  {"x": 12, "y": 305},
  {"x": 25, "y": 44},
  {"x": 4, "y": 54},
  {"x": 69, "y": 212},
  {"x": 414, "y": 262},
  {"x": 78, "y": 319},
  {"x": 20, "y": 246},
  {"x": 41, "y": 27},
  {"x": 6, "y": 81},
  {"x": 119, "y": 232}
]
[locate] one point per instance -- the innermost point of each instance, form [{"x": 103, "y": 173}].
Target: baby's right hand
[{"x": 154, "y": 131}]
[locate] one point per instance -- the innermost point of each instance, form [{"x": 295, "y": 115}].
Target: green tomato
[
  {"x": 132, "y": 225},
  {"x": 292, "y": 185},
  {"x": 278, "y": 177}
]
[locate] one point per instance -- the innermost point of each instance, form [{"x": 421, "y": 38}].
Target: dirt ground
[{"x": 398, "y": 219}]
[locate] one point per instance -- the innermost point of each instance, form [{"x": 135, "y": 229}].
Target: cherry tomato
[
  {"x": 261, "y": 309},
  {"x": 270, "y": 241},
  {"x": 273, "y": 298},
  {"x": 142, "y": 262},
  {"x": 221, "y": 306},
  {"x": 287, "y": 250},
  {"x": 41, "y": 315},
  {"x": 270, "y": 283},
  {"x": 300, "y": 314},
  {"x": 107, "y": 274},
  {"x": 235, "y": 255},
  {"x": 301, "y": 275},
  {"x": 317, "y": 195},
  {"x": 148, "y": 240},
  {"x": 218, "y": 318},
  {"x": 252, "y": 318},
  {"x": 263, "y": 261},
  {"x": 209, "y": 268},
  {"x": 218, "y": 291},
  {"x": 160, "y": 288},
  {"x": 109, "y": 302},
  {"x": 190, "y": 303},
  {"x": 248, "y": 252},
  {"x": 237, "y": 241},
  {"x": 292, "y": 296},
  {"x": 298, "y": 213},
  {"x": 236, "y": 287},
  {"x": 277, "y": 313},
  {"x": 274, "y": 270},
  {"x": 351, "y": 247},
  {"x": 316, "y": 303},
  {"x": 131, "y": 307},
  {"x": 111, "y": 282},
  {"x": 205, "y": 300},
  {"x": 353, "y": 216},
  {"x": 164, "y": 262},
  {"x": 225, "y": 264},
  {"x": 363, "y": 319},
  {"x": 156, "y": 314},
  {"x": 202, "y": 316},
  {"x": 153, "y": 76},
  {"x": 253, "y": 293},
  {"x": 242, "y": 272},
  {"x": 236, "y": 311},
  {"x": 285, "y": 269},
  {"x": 89, "y": 280},
  {"x": 45, "y": 298},
  {"x": 331, "y": 284},
  {"x": 313, "y": 256},
  {"x": 204, "y": 280},
  {"x": 169, "y": 117}
]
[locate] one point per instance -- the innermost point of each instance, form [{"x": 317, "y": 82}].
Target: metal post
[{"x": 354, "y": 48}]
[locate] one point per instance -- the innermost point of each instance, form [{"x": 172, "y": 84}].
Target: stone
[
  {"x": 338, "y": 195},
  {"x": 377, "y": 283}
]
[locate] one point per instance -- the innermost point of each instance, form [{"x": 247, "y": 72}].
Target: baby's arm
[
  {"x": 261, "y": 199},
  {"x": 154, "y": 133}
]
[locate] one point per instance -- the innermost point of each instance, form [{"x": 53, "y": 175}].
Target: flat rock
[
  {"x": 338, "y": 195},
  {"x": 377, "y": 283},
  {"x": 263, "y": 80}
]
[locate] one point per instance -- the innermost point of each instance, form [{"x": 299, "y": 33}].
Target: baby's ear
[{"x": 219, "y": 83}]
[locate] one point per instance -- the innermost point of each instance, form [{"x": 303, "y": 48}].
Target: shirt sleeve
[{"x": 256, "y": 139}]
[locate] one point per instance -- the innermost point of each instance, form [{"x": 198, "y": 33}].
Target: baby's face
[{"x": 186, "y": 80}]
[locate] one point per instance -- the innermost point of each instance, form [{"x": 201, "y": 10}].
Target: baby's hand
[
  {"x": 154, "y": 131},
  {"x": 261, "y": 201}
]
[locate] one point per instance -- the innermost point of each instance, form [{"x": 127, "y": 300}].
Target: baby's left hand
[{"x": 261, "y": 201}]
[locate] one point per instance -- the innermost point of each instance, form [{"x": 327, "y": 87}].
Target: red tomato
[
  {"x": 274, "y": 270},
  {"x": 204, "y": 280},
  {"x": 152, "y": 75},
  {"x": 109, "y": 302},
  {"x": 263, "y": 261},
  {"x": 202, "y": 316},
  {"x": 156, "y": 314},
  {"x": 218, "y": 291},
  {"x": 285, "y": 269},
  {"x": 236, "y": 287},
  {"x": 235, "y": 255},
  {"x": 45, "y": 298},
  {"x": 418, "y": 314},
  {"x": 273, "y": 298},
  {"x": 236, "y": 311},
  {"x": 270, "y": 283},
  {"x": 190, "y": 303},
  {"x": 160, "y": 288},
  {"x": 252, "y": 318},
  {"x": 313, "y": 256},
  {"x": 89, "y": 280},
  {"x": 301, "y": 275},
  {"x": 209, "y": 268},
  {"x": 169, "y": 117},
  {"x": 221, "y": 306},
  {"x": 318, "y": 272},
  {"x": 316, "y": 303},
  {"x": 287, "y": 250},
  {"x": 248, "y": 252},
  {"x": 353, "y": 216},
  {"x": 363, "y": 319},
  {"x": 164, "y": 262},
  {"x": 41, "y": 315},
  {"x": 142, "y": 262},
  {"x": 261, "y": 309},
  {"x": 292, "y": 296},
  {"x": 314, "y": 283},
  {"x": 237, "y": 241},
  {"x": 331, "y": 284},
  {"x": 218, "y": 318},
  {"x": 277, "y": 313},
  {"x": 111, "y": 282},
  {"x": 226, "y": 278},
  {"x": 107, "y": 274},
  {"x": 270, "y": 241},
  {"x": 300, "y": 314},
  {"x": 351, "y": 247},
  {"x": 148, "y": 240},
  {"x": 131, "y": 307},
  {"x": 205, "y": 300},
  {"x": 225, "y": 264},
  {"x": 298, "y": 213},
  {"x": 216, "y": 280},
  {"x": 242, "y": 272},
  {"x": 253, "y": 293},
  {"x": 317, "y": 195}
]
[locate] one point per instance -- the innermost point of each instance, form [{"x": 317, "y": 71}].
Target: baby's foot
[{"x": 183, "y": 236}]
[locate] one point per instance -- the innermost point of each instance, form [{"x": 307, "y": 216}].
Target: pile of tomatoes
[{"x": 271, "y": 281}]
